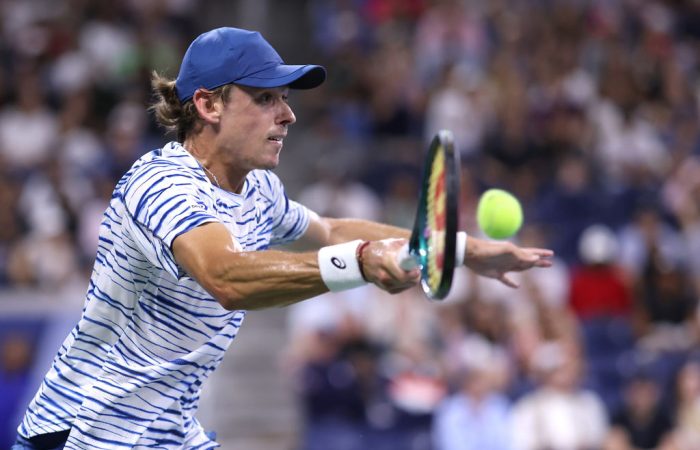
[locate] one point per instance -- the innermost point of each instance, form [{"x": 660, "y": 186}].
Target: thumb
[{"x": 505, "y": 279}]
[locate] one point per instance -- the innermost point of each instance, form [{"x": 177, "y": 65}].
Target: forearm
[
  {"x": 246, "y": 280},
  {"x": 265, "y": 279},
  {"x": 336, "y": 231}
]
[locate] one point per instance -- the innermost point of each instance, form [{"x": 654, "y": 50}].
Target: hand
[
  {"x": 494, "y": 259},
  {"x": 379, "y": 264}
]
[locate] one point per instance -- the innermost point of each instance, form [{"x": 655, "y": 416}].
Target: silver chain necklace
[
  {"x": 216, "y": 181},
  {"x": 212, "y": 174}
]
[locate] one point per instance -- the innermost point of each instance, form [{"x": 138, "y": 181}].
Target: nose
[{"x": 286, "y": 115}]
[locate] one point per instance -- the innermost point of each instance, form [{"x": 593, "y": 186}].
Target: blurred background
[{"x": 587, "y": 110}]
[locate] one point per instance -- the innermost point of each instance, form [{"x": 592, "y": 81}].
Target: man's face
[{"x": 253, "y": 125}]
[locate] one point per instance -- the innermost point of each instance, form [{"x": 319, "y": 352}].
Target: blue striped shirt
[{"x": 129, "y": 374}]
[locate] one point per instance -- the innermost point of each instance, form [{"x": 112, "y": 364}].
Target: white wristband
[
  {"x": 339, "y": 267},
  {"x": 461, "y": 248}
]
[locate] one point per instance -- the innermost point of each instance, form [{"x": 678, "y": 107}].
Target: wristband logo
[{"x": 339, "y": 263}]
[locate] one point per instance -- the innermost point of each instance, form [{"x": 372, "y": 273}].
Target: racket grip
[{"x": 406, "y": 260}]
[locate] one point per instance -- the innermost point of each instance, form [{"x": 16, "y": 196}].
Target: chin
[
  {"x": 275, "y": 160},
  {"x": 268, "y": 165}
]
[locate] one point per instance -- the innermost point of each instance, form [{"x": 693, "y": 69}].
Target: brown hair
[{"x": 176, "y": 117}]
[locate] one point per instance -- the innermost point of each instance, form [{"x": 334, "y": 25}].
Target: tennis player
[{"x": 185, "y": 250}]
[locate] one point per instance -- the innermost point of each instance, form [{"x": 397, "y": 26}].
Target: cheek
[{"x": 235, "y": 135}]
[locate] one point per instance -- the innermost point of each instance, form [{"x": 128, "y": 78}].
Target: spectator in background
[
  {"x": 570, "y": 204},
  {"x": 649, "y": 234},
  {"x": 602, "y": 299},
  {"x": 666, "y": 297},
  {"x": 450, "y": 32},
  {"x": 642, "y": 422},
  {"x": 682, "y": 194},
  {"x": 559, "y": 414},
  {"x": 125, "y": 136},
  {"x": 458, "y": 104},
  {"x": 12, "y": 226},
  {"x": 523, "y": 320},
  {"x": 44, "y": 262},
  {"x": 79, "y": 148},
  {"x": 49, "y": 202},
  {"x": 28, "y": 129},
  {"x": 668, "y": 306},
  {"x": 394, "y": 101},
  {"x": 336, "y": 384},
  {"x": 686, "y": 406},
  {"x": 629, "y": 149},
  {"x": 16, "y": 353},
  {"x": 336, "y": 193},
  {"x": 399, "y": 206},
  {"x": 599, "y": 288},
  {"x": 477, "y": 415}
]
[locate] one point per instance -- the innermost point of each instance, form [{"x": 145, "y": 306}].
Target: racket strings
[{"x": 436, "y": 221}]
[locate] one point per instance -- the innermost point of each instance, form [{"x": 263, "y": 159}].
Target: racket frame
[{"x": 419, "y": 248}]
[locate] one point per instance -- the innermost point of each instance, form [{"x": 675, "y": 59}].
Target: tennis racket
[{"x": 433, "y": 241}]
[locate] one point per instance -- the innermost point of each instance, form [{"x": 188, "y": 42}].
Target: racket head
[{"x": 434, "y": 237}]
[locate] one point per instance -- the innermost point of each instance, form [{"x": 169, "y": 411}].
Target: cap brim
[{"x": 296, "y": 77}]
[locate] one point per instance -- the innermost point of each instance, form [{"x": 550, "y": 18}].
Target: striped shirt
[{"x": 129, "y": 374}]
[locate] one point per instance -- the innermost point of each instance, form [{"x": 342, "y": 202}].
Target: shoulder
[
  {"x": 264, "y": 177},
  {"x": 266, "y": 182},
  {"x": 172, "y": 162}
]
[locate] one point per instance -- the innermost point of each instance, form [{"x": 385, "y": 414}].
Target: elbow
[
  {"x": 217, "y": 282},
  {"x": 229, "y": 297},
  {"x": 232, "y": 296}
]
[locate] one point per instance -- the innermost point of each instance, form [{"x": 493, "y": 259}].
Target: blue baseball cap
[{"x": 232, "y": 55}]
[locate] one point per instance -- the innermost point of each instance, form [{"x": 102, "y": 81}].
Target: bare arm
[
  {"x": 246, "y": 280},
  {"x": 263, "y": 279},
  {"x": 327, "y": 231}
]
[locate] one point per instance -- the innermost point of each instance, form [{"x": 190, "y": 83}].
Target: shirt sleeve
[
  {"x": 289, "y": 218},
  {"x": 163, "y": 201}
]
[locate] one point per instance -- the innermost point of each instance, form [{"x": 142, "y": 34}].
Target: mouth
[{"x": 277, "y": 138}]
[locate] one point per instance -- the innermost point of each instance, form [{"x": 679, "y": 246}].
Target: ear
[{"x": 208, "y": 106}]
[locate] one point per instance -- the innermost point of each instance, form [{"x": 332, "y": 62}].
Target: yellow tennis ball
[{"x": 499, "y": 214}]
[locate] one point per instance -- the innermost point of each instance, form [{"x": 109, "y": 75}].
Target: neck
[{"x": 217, "y": 173}]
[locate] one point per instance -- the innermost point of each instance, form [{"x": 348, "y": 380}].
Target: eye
[{"x": 265, "y": 98}]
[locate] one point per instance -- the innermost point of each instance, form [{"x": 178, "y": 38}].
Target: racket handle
[{"x": 406, "y": 260}]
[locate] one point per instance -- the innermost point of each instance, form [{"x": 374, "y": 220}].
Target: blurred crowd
[
  {"x": 73, "y": 88},
  {"x": 587, "y": 110}
]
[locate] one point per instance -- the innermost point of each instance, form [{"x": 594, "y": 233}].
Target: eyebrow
[{"x": 256, "y": 90}]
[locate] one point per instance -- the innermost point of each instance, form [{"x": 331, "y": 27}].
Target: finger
[
  {"x": 397, "y": 290},
  {"x": 541, "y": 252},
  {"x": 536, "y": 261},
  {"x": 543, "y": 263},
  {"x": 392, "y": 284},
  {"x": 508, "y": 281},
  {"x": 413, "y": 278},
  {"x": 396, "y": 272}
]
